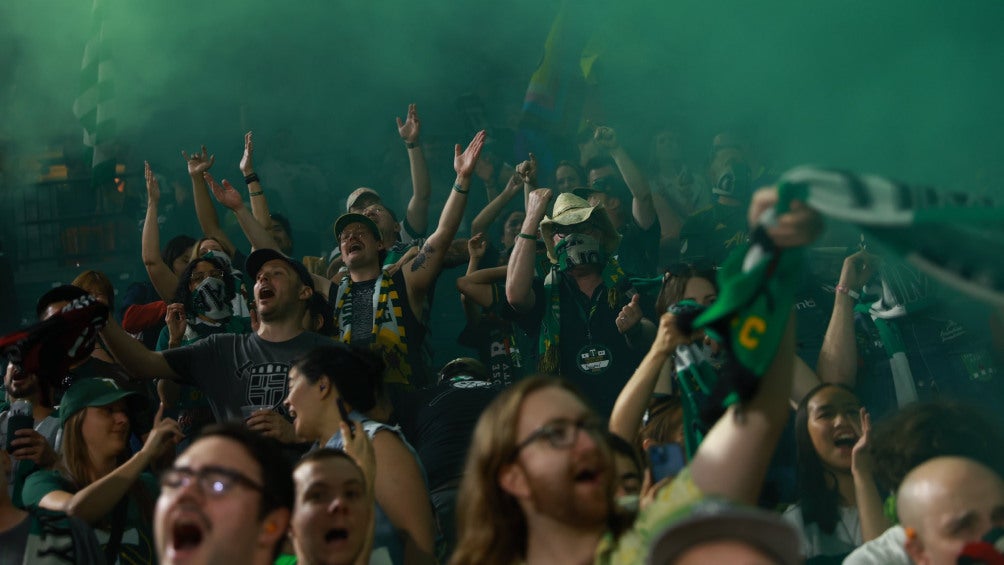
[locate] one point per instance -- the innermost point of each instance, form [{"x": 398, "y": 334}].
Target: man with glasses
[
  {"x": 539, "y": 481},
  {"x": 576, "y": 304},
  {"x": 226, "y": 499}
]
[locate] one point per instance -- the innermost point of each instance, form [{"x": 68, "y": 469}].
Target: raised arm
[
  {"x": 519, "y": 283},
  {"x": 257, "y": 234},
  {"x": 476, "y": 247},
  {"x": 527, "y": 171},
  {"x": 209, "y": 221},
  {"x": 866, "y": 493},
  {"x": 402, "y": 494},
  {"x": 164, "y": 280},
  {"x": 625, "y": 420},
  {"x": 838, "y": 356},
  {"x": 259, "y": 204},
  {"x": 134, "y": 357},
  {"x": 421, "y": 195},
  {"x": 641, "y": 206},
  {"x": 477, "y": 286},
  {"x": 484, "y": 220},
  {"x": 733, "y": 458},
  {"x": 425, "y": 267}
]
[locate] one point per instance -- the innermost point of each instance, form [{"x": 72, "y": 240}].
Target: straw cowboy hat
[{"x": 569, "y": 210}]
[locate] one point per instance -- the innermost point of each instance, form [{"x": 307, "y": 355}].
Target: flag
[{"x": 93, "y": 106}]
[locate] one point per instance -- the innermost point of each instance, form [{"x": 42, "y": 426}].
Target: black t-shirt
[
  {"x": 439, "y": 421},
  {"x": 709, "y": 235},
  {"x": 593, "y": 353},
  {"x": 638, "y": 252}
]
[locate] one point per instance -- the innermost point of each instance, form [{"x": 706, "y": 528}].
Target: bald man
[{"x": 945, "y": 503}]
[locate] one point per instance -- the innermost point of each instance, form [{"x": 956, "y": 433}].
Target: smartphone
[
  {"x": 19, "y": 418},
  {"x": 666, "y": 460},
  {"x": 345, "y": 415}
]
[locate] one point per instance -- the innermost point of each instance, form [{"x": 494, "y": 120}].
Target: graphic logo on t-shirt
[{"x": 264, "y": 383}]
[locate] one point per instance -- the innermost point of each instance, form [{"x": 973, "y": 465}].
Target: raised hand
[
  {"x": 359, "y": 447},
  {"x": 198, "y": 163},
  {"x": 630, "y": 315},
  {"x": 476, "y": 246},
  {"x": 536, "y": 205},
  {"x": 515, "y": 184},
  {"x": 411, "y": 127},
  {"x": 861, "y": 458},
  {"x": 464, "y": 161},
  {"x": 668, "y": 337},
  {"x": 800, "y": 225},
  {"x": 176, "y": 322},
  {"x": 247, "y": 161},
  {"x": 152, "y": 184},
  {"x": 858, "y": 269},
  {"x": 605, "y": 137},
  {"x": 165, "y": 434},
  {"x": 226, "y": 194},
  {"x": 527, "y": 170}
]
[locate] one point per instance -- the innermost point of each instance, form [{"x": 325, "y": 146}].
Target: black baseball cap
[{"x": 261, "y": 256}]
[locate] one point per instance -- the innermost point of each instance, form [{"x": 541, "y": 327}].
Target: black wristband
[
  {"x": 460, "y": 189},
  {"x": 253, "y": 177},
  {"x": 411, "y": 145}
]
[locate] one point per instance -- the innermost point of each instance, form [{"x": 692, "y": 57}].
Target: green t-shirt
[{"x": 137, "y": 545}]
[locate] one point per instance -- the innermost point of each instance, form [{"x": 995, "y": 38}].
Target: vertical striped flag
[{"x": 93, "y": 106}]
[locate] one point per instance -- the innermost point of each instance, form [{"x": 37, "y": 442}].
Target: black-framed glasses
[
  {"x": 213, "y": 481},
  {"x": 201, "y": 276},
  {"x": 561, "y": 434}
]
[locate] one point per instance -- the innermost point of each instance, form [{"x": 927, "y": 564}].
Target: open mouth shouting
[
  {"x": 185, "y": 536},
  {"x": 845, "y": 439}
]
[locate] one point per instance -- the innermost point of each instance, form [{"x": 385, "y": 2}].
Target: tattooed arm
[{"x": 421, "y": 274}]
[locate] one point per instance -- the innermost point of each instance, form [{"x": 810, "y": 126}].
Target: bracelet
[
  {"x": 844, "y": 290},
  {"x": 253, "y": 177},
  {"x": 527, "y": 236},
  {"x": 411, "y": 145},
  {"x": 460, "y": 189},
  {"x": 259, "y": 193}
]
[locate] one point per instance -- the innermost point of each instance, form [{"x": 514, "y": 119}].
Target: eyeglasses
[
  {"x": 561, "y": 434},
  {"x": 213, "y": 481},
  {"x": 201, "y": 276}
]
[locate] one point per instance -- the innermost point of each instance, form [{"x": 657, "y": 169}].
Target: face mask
[
  {"x": 210, "y": 300},
  {"x": 734, "y": 182},
  {"x": 220, "y": 256},
  {"x": 578, "y": 249}
]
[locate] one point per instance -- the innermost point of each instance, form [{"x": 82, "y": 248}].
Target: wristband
[
  {"x": 258, "y": 193},
  {"x": 844, "y": 290},
  {"x": 527, "y": 236},
  {"x": 460, "y": 189},
  {"x": 253, "y": 177},
  {"x": 411, "y": 145}
]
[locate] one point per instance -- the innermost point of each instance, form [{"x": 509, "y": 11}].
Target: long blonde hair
[
  {"x": 491, "y": 528},
  {"x": 76, "y": 466}
]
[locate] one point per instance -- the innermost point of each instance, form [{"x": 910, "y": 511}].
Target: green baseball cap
[{"x": 91, "y": 392}]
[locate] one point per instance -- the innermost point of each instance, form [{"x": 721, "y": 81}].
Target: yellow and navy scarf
[{"x": 389, "y": 338}]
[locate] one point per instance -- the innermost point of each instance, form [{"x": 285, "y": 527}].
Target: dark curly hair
[
  {"x": 938, "y": 428},
  {"x": 183, "y": 295}
]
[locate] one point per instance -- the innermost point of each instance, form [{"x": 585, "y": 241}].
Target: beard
[{"x": 563, "y": 499}]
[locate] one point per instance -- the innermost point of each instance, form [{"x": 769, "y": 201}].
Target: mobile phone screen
[{"x": 666, "y": 460}]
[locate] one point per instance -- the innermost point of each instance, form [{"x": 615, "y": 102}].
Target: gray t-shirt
[{"x": 235, "y": 370}]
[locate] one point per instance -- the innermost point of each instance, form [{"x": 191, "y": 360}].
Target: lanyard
[{"x": 594, "y": 302}]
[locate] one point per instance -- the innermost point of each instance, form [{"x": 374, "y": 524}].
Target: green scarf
[
  {"x": 550, "y": 328},
  {"x": 757, "y": 285}
]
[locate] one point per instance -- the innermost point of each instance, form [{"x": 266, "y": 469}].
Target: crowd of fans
[{"x": 249, "y": 406}]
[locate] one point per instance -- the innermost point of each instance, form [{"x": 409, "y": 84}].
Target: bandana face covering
[
  {"x": 220, "y": 256},
  {"x": 578, "y": 249},
  {"x": 210, "y": 300}
]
